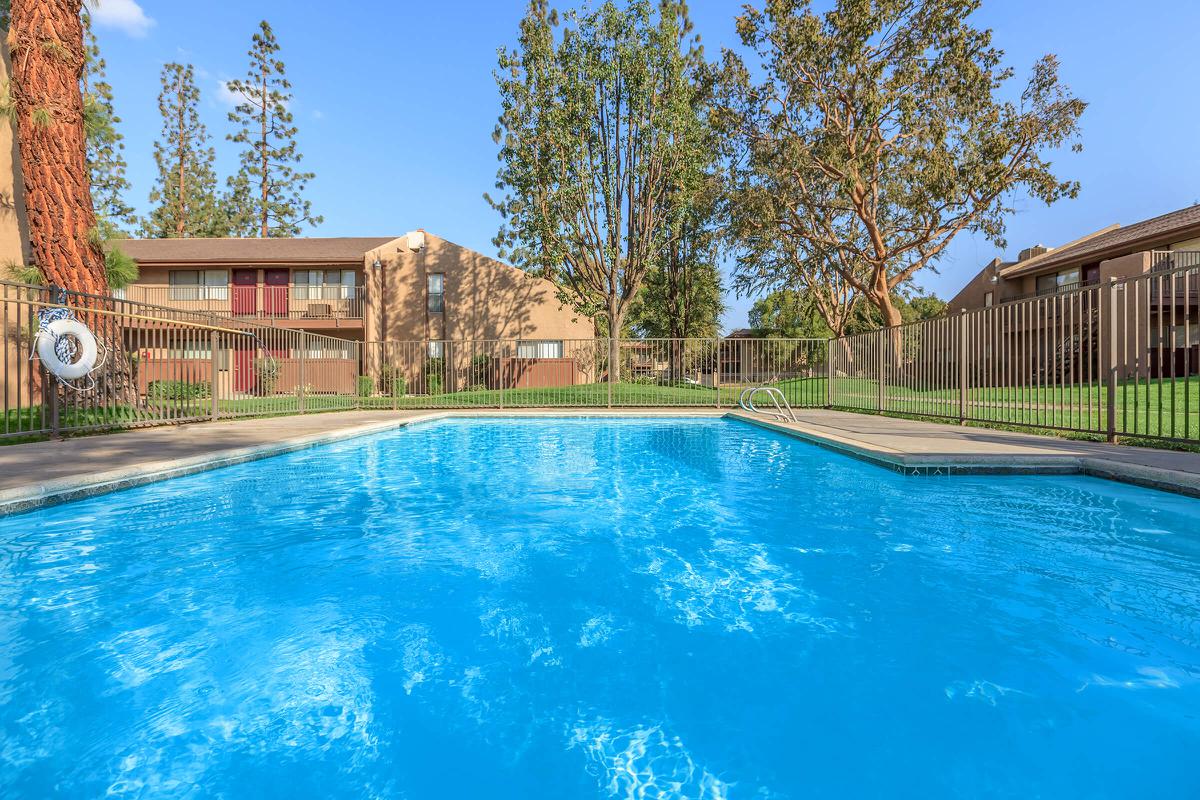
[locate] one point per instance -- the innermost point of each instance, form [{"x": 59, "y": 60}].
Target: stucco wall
[
  {"x": 1125, "y": 266},
  {"x": 974, "y": 294},
  {"x": 484, "y": 298},
  {"x": 14, "y": 226},
  {"x": 14, "y": 250}
]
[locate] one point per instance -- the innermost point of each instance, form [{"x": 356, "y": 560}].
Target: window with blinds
[
  {"x": 199, "y": 284},
  {"x": 540, "y": 349},
  {"x": 324, "y": 284}
]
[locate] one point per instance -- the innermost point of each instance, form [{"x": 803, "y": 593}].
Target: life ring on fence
[{"x": 49, "y": 352}]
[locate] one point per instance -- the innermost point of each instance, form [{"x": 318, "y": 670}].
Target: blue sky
[{"x": 396, "y": 104}]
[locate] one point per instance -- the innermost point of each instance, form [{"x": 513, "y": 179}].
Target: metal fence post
[
  {"x": 1110, "y": 360},
  {"x": 963, "y": 351},
  {"x": 880, "y": 391},
  {"x": 213, "y": 344},
  {"x": 300, "y": 372},
  {"x": 829, "y": 343},
  {"x": 612, "y": 365},
  {"x": 500, "y": 378},
  {"x": 717, "y": 370},
  {"x": 51, "y": 385}
]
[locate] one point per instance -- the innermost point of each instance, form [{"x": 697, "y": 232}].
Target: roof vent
[
  {"x": 416, "y": 239},
  {"x": 1032, "y": 252}
]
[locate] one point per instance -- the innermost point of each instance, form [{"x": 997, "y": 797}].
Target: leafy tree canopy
[
  {"x": 601, "y": 142},
  {"x": 185, "y": 190},
  {"x": 874, "y": 133},
  {"x": 266, "y": 195}
]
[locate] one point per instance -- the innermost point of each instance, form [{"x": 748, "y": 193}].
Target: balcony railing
[
  {"x": 297, "y": 303},
  {"x": 1061, "y": 288},
  {"x": 1166, "y": 260}
]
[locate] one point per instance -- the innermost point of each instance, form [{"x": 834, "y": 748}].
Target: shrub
[
  {"x": 481, "y": 369},
  {"x": 266, "y": 375},
  {"x": 178, "y": 390},
  {"x": 366, "y": 386},
  {"x": 435, "y": 369},
  {"x": 392, "y": 381}
]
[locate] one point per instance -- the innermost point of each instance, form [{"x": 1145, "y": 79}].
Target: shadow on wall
[{"x": 488, "y": 305}]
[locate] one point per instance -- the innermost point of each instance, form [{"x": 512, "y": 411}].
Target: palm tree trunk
[{"x": 46, "y": 39}]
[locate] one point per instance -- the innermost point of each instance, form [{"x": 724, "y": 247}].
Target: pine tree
[
  {"x": 46, "y": 105},
  {"x": 105, "y": 144},
  {"x": 185, "y": 192},
  {"x": 266, "y": 194}
]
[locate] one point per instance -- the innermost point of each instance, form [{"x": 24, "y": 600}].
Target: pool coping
[
  {"x": 932, "y": 465},
  {"x": 64, "y": 490}
]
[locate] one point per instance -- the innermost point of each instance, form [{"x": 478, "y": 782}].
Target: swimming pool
[{"x": 594, "y": 608}]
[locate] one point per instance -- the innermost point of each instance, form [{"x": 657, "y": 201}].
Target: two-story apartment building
[
  {"x": 426, "y": 297},
  {"x": 1158, "y": 326},
  {"x": 1162, "y": 243},
  {"x": 413, "y": 287}
]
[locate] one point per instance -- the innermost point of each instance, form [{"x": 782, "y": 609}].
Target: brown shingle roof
[
  {"x": 1119, "y": 240},
  {"x": 226, "y": 251}
]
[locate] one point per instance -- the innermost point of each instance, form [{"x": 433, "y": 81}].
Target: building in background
[
  {"x": 1153, "y": 309},
  {"x": 416, "y": 306},
  {"x": 1159, "y": 244},
  {"x": 415, "y": 287}
]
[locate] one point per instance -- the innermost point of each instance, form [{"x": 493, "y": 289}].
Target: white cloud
[
  {"x": 225, "y": 96},
  {"x": 124, "y": 15},
  {"x": 228, "y": 97}
]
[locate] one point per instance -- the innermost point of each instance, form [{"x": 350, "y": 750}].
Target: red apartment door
[
  {"x": 247, "y": 356},
  {"x": 245, "y": 290},
  {"x": 275, "y": 295},
  {"x": 243, "y": 368}
]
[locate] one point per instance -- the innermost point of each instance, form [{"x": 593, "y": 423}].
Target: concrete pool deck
[
  {"x": 45, "y": 473},
  {"x": 930, "y": 448}
]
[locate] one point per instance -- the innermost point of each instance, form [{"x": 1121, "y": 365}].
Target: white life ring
[{"x": 87, "y": 348}]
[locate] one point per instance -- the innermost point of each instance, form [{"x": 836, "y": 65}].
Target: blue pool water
[{"x": 600, "y": 609}]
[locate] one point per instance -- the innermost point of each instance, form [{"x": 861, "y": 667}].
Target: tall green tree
[
  {"x": 770, "y": 262},
  {"x": 105, "y": 143},
  {"x": 880, "y": 132},
  {"x": 185, "y": 191},
  {"x": 793, "y": 314},
  {"x": 787, "y": 314},
  {"x": 266, "y": 195},
  {"x": 598, "y": 129},
  {"x": 681, "y": 297}
]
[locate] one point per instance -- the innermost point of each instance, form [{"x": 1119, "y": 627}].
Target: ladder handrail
[{"x": 746, "y": 401}]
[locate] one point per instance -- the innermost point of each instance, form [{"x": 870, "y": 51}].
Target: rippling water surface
[{"x": 598, "y": 608}]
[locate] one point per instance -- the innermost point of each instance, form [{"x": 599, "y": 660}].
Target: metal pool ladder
[{"x": 783, "y": 410}]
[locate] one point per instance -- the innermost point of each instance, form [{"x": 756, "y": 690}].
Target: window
[
  {"x": 436, "y": 350},
  {"x": 989, "y": 299},
  {"x": 1058, "y": 282},
  {"x": 542, "y": 349},
  {"x": 324, "y": 284},
  {"x": 202, "y": 284},
  {"x": 200, "y": 351},
  {"x": 437, "y": 292},
  {"x": 329, "y": 349},
  {"x": 192, "y": 351}
]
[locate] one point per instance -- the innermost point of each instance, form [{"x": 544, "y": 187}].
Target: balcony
[
  {"x": 1050, "y": 291},
  {"x": 1167, "y": 260},
  {"x": 295, "y": 304}
]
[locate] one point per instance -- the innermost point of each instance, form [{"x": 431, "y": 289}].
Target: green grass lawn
[
  {"x": 1142, "y": 409},
  {"x": 800, "y": 392}
]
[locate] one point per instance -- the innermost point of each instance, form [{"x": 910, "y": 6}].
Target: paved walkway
[
  {"x": 41, "y": 473},
  {"x": 929, "y": 447}
]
